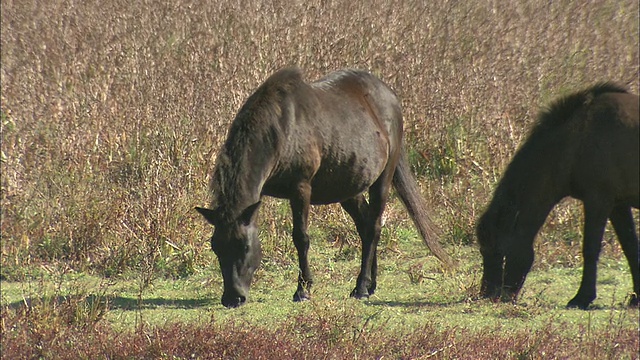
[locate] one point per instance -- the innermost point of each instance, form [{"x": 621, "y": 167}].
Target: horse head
[{"x": 235, "y": 242}]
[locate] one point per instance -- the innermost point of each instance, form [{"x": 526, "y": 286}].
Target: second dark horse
[
  {"x": 585, "y": 145},
  {"x": 324, "y": 142}
]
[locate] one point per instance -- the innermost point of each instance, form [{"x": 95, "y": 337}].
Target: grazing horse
[
  {"x": 324, "y": 142},
  {"x": 585, "y": 145}
]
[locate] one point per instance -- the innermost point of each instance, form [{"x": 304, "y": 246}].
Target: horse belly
[{"x": 348, "y": 174}]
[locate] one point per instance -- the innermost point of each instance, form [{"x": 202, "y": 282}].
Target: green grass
[
  {"x": 442, "y": 299},
  {"x": 441, "y": 304}
]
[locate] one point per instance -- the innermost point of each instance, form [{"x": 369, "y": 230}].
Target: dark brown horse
[
  {"x": 585, "y": 146},
  {"x": 312, "y": 143}
]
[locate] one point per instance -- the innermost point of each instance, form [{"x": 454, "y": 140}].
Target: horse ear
[
  {"x": 249, "y": 214},
  {"x": 210, "y": 215}
]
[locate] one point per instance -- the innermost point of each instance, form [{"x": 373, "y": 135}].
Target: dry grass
[
  {"x": 62, "y": 334},
  {"x": 112, "y": 111}
]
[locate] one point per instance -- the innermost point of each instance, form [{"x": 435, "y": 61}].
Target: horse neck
[
  {"x": 535, "y": 181},
  {"x": 239, "y": 177}
]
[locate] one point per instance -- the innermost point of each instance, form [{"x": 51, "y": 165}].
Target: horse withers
[
  {"x": 585, "y": 145},
  {"x": 324, "y": 142}
]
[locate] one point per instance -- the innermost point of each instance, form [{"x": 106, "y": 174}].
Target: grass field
[
  {"x": 407, "y": 318},
  {"x": 112, "y": 113}
]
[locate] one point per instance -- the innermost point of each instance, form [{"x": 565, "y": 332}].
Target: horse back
[
  {"x": 608, "y": 162},
  {"x": 343, "y": 131},
  {"x": 362, "y": 92}
]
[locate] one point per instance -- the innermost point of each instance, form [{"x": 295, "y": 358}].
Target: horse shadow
[
  {"x": 416, "y": 303},
  {"x": 132, "y": 303},
  {"x": 420, "y": 304},
  {"x": 112, "y": 302}
]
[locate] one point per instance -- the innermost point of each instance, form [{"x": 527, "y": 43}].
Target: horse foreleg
[
  {"x": 622, "y": 221},
  {"x": 300, "y": 211},
  {"x": 595, "y": 219}
]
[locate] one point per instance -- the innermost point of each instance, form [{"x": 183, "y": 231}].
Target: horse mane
[
  {"x": 561, "y": 109},
  {"x": 257, "y": 122},
  {"x": 265, "y": 102}
]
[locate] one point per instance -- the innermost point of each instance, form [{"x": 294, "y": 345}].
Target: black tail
[{"x": 407, "y": 188}]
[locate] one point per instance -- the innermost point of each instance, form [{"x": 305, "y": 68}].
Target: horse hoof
[
  {"x": 493, "y": 297},
  {"x": 301, "y": 297},
  {"x": 508, "y": 297},
  {"x": 578, "y": 304},
  {"x": 358, "y": 295}
]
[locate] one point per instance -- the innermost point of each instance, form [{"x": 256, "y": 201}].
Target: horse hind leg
[
  {"x": 371, "y": 221},
  {"x": 300, "y": 211},
  {"x": 595, "y": 219},
  {"x": 358, "y": 209},
  {"x": 622, "y": 221}
]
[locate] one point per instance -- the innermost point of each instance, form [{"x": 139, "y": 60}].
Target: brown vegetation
[
  {"x": 111, "y": 111},
  {"x": 61, "y": 335}
]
